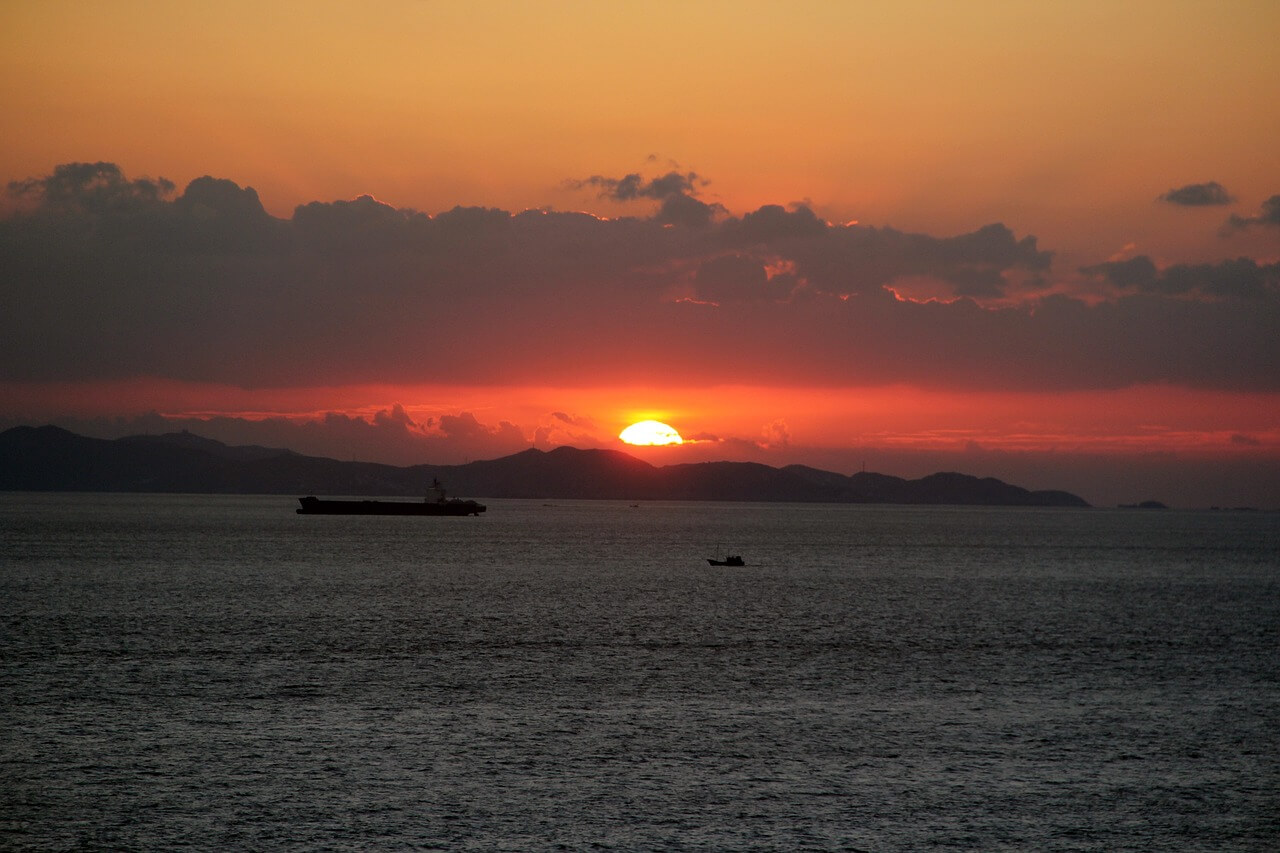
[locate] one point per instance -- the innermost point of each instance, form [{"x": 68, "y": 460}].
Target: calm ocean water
[{"x": 217, "y": 672}]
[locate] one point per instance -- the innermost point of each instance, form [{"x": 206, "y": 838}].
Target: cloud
[
  {"x": 772, "y": 222},
  {"x": 362, "y": 225},
  {"x": 731, "y": 277},
  {"x": 218, "y": 198},
  {"x": 392, "y": 434},
  {"x": 1268, "y": 215},
  {"x": 396, "y": 416},
  {"x": 855, "y": 260},
  {"x": 1240, "y": 279},
  {"x": 634, "y": 186},
  {"x": 775, "y": 434},
  {"x": 464, "y": 426},
  {"x": 1198, "y": 195},
  {"x": 686, "y": 210},
  {"x": 107, "y": 278},
  {"x": 560, "y": 428},
  {"x": 675, "y": 190},
  {"x": 214, "y": 214},
  {"x": 1136, "y": 272},
  {"x": 91, "y": 188}
]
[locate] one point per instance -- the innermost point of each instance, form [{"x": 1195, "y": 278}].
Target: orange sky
[
  {"x": 1060, "y": 119},
  {"x": 1144, "y": 418},
  {"x": 1065, "y": 122}
]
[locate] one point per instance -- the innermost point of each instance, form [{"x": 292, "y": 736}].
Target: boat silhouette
[{"x": 440, "y": 505}]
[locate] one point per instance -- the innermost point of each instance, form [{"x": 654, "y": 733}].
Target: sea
[{"x": 211, "y": 672}]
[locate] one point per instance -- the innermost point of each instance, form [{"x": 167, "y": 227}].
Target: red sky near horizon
[{"x": 1039, "y": 238}]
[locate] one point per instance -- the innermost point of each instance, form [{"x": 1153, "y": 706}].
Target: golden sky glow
[{"x": 1018, "y": 281}]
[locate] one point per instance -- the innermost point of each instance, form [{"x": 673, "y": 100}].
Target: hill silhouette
[{"x": 48, "y": 458}]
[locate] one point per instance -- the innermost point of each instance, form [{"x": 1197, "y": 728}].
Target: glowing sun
[{"x": 650, "y": 432}]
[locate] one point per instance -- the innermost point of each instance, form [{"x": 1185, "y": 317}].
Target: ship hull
[{"x": 316, "y": 506}]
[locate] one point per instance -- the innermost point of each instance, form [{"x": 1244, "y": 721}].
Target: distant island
[{"x": 47, "y": 458}]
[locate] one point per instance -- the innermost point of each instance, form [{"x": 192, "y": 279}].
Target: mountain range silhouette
[{"x": 49, "y": 458}]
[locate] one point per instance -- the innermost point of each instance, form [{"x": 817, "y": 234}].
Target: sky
[{"x": 1035, "y": 241}]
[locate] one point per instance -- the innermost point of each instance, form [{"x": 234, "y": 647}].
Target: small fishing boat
[{"x": 727, "y": 560}]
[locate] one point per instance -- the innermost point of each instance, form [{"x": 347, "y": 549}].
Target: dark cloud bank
[{"x": 110, "y": 277}]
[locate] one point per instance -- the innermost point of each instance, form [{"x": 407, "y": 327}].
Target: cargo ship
[{"x": 437, "y": 505}]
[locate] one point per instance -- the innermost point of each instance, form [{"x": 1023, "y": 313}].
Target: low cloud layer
[
  {"x": 1241, "y": 280},
  {"x": 108, "y": 277}
]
